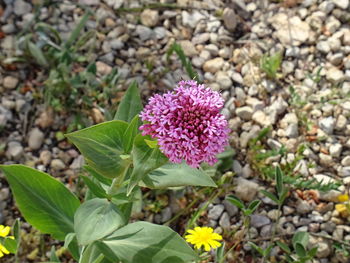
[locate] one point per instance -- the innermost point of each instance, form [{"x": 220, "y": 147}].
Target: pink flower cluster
[{"x": 187, "y": 123}]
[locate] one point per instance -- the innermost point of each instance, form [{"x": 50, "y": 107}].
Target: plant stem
[
  {"x": 118, "y": 181},
  {"x": 272, "y": 238}
]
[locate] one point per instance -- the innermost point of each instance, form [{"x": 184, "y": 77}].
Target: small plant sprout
[
  {"x": 271, "y": 64},
  {"x": 203, "y": 237},
  {"x": 300, "y": 253}
]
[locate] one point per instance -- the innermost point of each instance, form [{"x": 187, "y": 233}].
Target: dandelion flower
[
  {"x": 4, "y": 231},
  {"x": 343, "y": 198},
  {"x": 187, "y": 123},
  {"x": 203, "y": 236}
]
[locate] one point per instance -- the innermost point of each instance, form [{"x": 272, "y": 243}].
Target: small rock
[
  {"x": 213, "y": 65},
  {"x": 231, "y": 209},
  {"x": 45, "y": 119},
  {"x": 335, "y": 75},
  {"x": 323, "y": 46},
  {"x": 102, "y": 68},
  {"x": 343, "y": 4},
  {"x": 327, "y": 124},
  {"x": 22, "y": 7},
  {"x": 258, "y": 221},
  {"x": 57, "y": 164},
  {"x": 215, "y": 212},
  {"x": 45, "y": 157},
  {"x": 224, "y": 221},
  {"x": 292, "y": 130},
  {"x": 288, "y": 210},
  {"x": 115, "y": 4},
  {"x": 341, "y": 123},
  {"x": 303, "y": 207},
  {"x": 10, "y": 82},
  {"x": 335, "y": 150},
  {"x": 345, "y": 161},
  {"x": 261, "y": 118},
  {"x": 230, "y": 19},
  {"x": 35, "y": 139},
  {"x": 166, "y": 214},
  {"x": 246, "y": 190},
  {"x": 188, "y": 48},
  {"x": 223, "y": 80},
  {"x": 245, "y": 112},
  {"x": 14, "y": 150},
  {"x": 192, "y": 19},
  {"x": 290, "y": 30},
  {"x": 144, "y": 32},
  {"x": 77, "y": 163},
  {"x": 149, "y": 17}
]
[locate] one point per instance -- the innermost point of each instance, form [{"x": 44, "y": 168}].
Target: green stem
[
  {"x": 118, "y": 181},
  {"x": 274, "y": 229}
]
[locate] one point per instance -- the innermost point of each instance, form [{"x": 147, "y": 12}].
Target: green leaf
[
  {"x": 267, "y": 250},
  {"x": 95, "y": 188},
  {"x": 102, "y": 145},
  {"x": 301, "y": 238},
  {"x": 77, "y": 30},
  {"x": 96, "y": 219},
  {"x": 145, "y": 160},
  {"x": 259, "y": 249},
  {"x": 131, "y": 104},
  {"x": 270, "y": 195},
  {"x": 220, "y": 254},
  {"x": 300, "y": 250},
  {"x": 254, "y": 205},
  {"x": 147, "y": 243},
  {"x": 151, "y": 144},
  {"x": 53, "y": 256},
  {"x": 97, "y": 176},
  {"x": 71, "y": 243},
  {"x": 11, "y": 245},
  {"x": 37, "y": 53},
  {"x": 312, "y": 252},
  {"x": 279, "y": 180},
  {"x": 283, "y": 246},
  {"x": 130, "y": 134},
  {"x": 174, "y": 175},
  {"x": 44, "y": 202},
  {"x": 235, "y": 201},
  {"x": 185, "y": 61},
  {"x": 92, "y": 254},
  {"x": 16, "y": 230}
]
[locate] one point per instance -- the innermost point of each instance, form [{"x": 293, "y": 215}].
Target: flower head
[
  {"x": 4, "y": 231},
  {"x": 187, "y": 123},
  {"x": 203, "y": 236},
  {"x": 343, "y": 198}
]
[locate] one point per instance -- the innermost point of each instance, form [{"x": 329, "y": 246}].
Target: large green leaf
[
  {"x": 147, "y": 243},
  {"x": 92, "y": 254},
  {"x": 145, "y": 160},
  {"x": 102, "y": 146},
  {"x": 130, "y": 134},
  {"x": 43, "y": 201},
  {"x": 172, "y": 175},
  {"x": 131, "y": 104},
  {"x": 96, "y": 219}
]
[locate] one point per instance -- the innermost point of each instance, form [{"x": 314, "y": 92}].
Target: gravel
[{"x": 313, "y": 38}]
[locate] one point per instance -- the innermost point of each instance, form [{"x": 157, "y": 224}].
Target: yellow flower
[
  {"x": 203, "y": 236},
  {"x": 4, "y": 231},
  {"x": 343, "y": 198}
]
